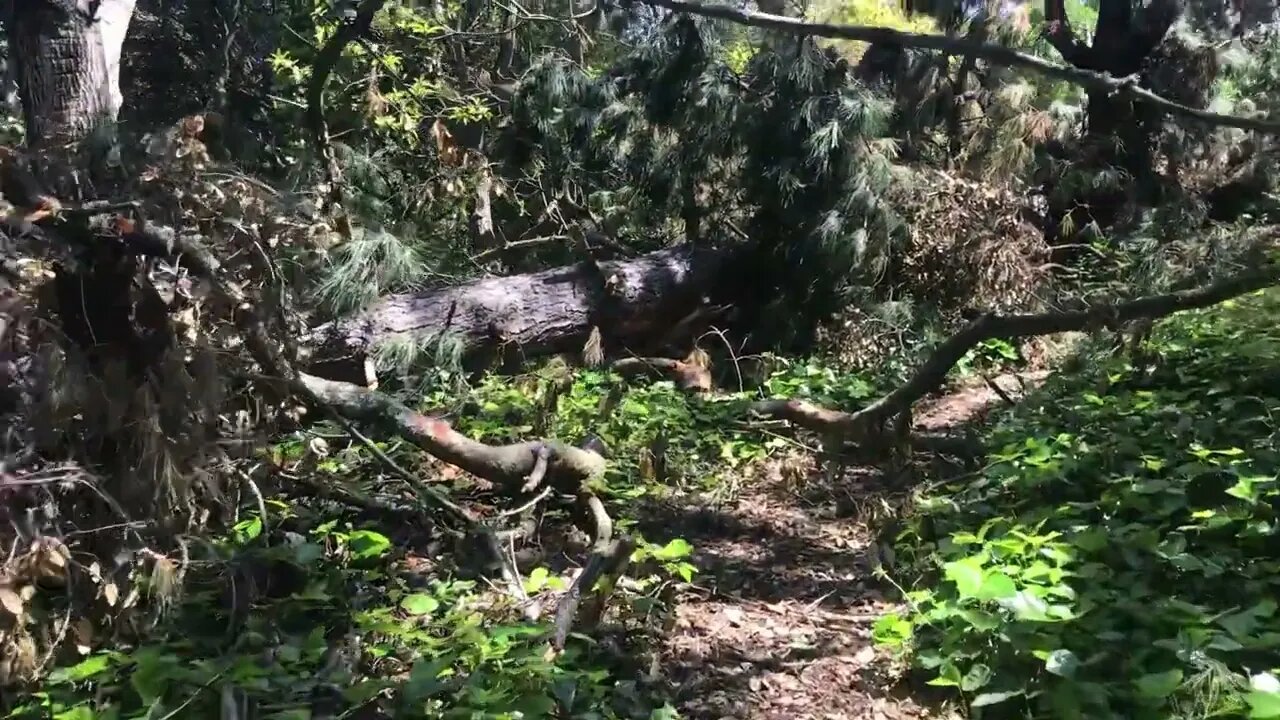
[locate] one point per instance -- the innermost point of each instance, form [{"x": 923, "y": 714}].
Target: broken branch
[
  {"x": 687, "y": 376},
  {"x": 997, "y": 54},
  {"x": 509, "y": 465},
  {"x": 934, "y": 370}
]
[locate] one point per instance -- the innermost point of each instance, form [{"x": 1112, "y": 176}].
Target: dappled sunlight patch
[
  {"x": 1114, "y": 558},
  {"x": 327, "y": 618}
]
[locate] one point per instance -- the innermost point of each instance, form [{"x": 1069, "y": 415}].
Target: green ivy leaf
[
  {"x": 674, "y": 550},
  {"x": 978, "y": 676},
  {"x": 79, "y": 712},
  {"x": 1159, "y": 685},
  {"x": 891, "y": 629},
  {"x": 949, "y": 677},
  {"x": 419, "y": 604},
  {"x": 247, "y": 530},
  {"x": 83, "y": 670},
  {"x": 367, "y": 544},
  {"x": 1026, "y": 606},
  {"x": 997, "y": 586},
  {"x": 1263, "y": 705},
  {"x": 536, "y": 580},
  {"x": 966, "y": 574}
]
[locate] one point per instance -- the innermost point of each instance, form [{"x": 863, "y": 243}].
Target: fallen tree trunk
[{"x": 635, "y": 303}]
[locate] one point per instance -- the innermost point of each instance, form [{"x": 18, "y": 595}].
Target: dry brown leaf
[
  {"x": 450, "y": 153},
  {"x": 11, "y": 602},
  {"x": 110, "y": 593}
]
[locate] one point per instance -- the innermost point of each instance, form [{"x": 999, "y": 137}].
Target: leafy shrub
[
  {"x": 353, "y": 631},
  {"x": 1115, "y": 558}
]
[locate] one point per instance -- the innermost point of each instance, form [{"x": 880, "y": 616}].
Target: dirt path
[{"x": 779, "y": 625}]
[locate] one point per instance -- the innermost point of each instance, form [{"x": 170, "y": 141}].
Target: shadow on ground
[{"x": 779, "y": 622}]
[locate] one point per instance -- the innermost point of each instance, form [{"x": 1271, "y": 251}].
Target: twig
[
  {"x": 187, "y": 703},
  {"x": 417, "y": 485},
  {"x": 520, "y": 510},
  {"x": 257, "y": 495},
  {"x": 997, "y": 54},
  {"x": 995, "y": 387},
  {"x": 479, "y": 257}
]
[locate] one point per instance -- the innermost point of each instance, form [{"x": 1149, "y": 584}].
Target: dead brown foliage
[
  {"x": 172, "y": 437},
  {"x": 968, "y": 249}
]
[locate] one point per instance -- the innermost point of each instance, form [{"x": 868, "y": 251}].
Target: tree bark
[
  {"x": 68, "y": 61},
  {"x": 634, "y": 302},
  {"x": 1122, "y": 42},
  {"x": 67, "y": 54}
]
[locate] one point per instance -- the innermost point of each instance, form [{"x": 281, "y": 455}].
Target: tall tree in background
[
  {"x": 1126, "y": 35},
  {"x": 68, "y": 66}
]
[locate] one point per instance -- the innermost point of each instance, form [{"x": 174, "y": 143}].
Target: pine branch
[
  {"x": 351, "y": 29},
  {"x": 997, "y": 54}
]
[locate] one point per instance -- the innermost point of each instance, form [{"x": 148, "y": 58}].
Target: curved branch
[
  {"x": 997, "y": 54},
  {"x": 931, "y": 374},
  {"x": 509, "y": 465},
  {"x": 348, "y": 32}
]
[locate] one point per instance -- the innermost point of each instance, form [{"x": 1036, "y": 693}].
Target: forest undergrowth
[
  {"x": 1115, "y": 556},
  {"x": 1111, "y": 558}
]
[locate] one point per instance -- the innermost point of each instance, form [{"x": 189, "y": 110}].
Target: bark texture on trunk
[
  {"x": 1124, "y": 38},
  {"x": 634, "y": 303},
  {"x": 68, "y": 65}
]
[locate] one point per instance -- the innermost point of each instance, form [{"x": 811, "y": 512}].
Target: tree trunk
[
  {"x": 1122, "y": 42},
  {"x": 68, "y": 62},
  {"x": 638, "y": 304},
  {"x": 67, "y": 55},
  {"x": 68, "y": 70}
]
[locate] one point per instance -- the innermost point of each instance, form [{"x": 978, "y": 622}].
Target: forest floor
[{"x": 778, "y": 623}]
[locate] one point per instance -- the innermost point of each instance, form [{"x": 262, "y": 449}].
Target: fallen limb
[
  {"x": 997, "y": 54},
  {"x": 534, "y": 313},
  {"x": 687, "y": 376},
  {"x": 934, "y": 370},
  {"x": 509, "y": 465}
]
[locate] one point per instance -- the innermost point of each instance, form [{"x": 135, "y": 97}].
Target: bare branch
[
  {"x": 329, "y": 55},
  {"x": 997, "y": 54},
  {"x": 687, "y": 376},
  {"x": 930, "y": 374},
  {"x": 509, "y": 465}
]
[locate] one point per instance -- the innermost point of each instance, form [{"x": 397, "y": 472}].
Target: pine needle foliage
[
  {"x": 799, "y": 143},
  {"x": 372, "y": 263}
]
